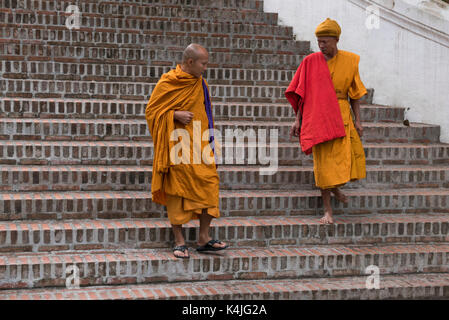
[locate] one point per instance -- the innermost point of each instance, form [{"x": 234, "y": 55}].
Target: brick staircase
[{"x": 76, "y": 156}]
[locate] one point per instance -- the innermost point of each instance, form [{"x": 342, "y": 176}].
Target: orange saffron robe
[
  {"x": 341, "y": 160},
  {"x": 185, "y": 188}
]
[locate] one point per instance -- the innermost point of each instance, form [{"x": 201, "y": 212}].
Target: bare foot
[
  {"x": 327, "y": 219},
  {"x": 340, "y": 195}
]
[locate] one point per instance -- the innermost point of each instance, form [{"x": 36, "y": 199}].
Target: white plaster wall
[{"x": 406, "y": 60}]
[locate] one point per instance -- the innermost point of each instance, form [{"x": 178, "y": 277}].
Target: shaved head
[
  {"x": 194, "y": 51},
  {"x": 195, "y": 59}
]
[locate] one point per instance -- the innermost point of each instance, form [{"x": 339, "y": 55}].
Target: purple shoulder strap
[{"x": 208, "y": 107}]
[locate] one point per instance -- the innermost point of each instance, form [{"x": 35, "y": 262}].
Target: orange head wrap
[{"x": 328, "y": 28}]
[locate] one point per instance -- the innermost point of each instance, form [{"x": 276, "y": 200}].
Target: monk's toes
[
  {"x": 327, "y": 220},
  {"x": 220, "y": 245}
]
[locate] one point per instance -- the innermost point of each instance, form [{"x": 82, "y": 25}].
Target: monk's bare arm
[
  {"x": 185, "y": 117},
  {"x": 295, "y": 129},
  {"x": 355, "y": 104}
]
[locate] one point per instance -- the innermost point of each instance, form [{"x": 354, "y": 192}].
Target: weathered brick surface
[
  {"x": 238, "y": 29},
  {"x": 138, "y": 204},
  {"x": 276, "y": 54},
  {"x": 404, "y": 286},
  {"x": 85, "y": 178},
  {"x": 143, "y": 266},
  {"x": 27, "y": 40},
  {"x": 140, "y": 73},
  {"x": 136, "y": 129},
  {"x": 72, "y": 108},
  {"x": 141, "y": 153},
  {"x": 196, "y": 12},
  {"x": 128, "y": 90},
  {"x": 89, "y": 38},
  {"x": 216, "y": 41},
  {"x": 91, "y": 6},
  {"x": 40, "y": 236}
]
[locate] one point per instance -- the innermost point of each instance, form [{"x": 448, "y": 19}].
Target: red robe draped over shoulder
[{"x": 320, "y": 111}]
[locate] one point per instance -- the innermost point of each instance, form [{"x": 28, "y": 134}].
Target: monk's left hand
[
  {"x": 359, "y": 128},
  {"x": 185, "y": 117}
]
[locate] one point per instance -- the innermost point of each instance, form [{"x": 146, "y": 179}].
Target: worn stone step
[
  {"x": 152, "y": 41},
  {"x": 91, "y": 109},
  {"x": 113, "y": 7},
  {"x": 142, "y": 153},
  {"x": 198, "y": 13},
  {"x": 136, "y": 24},
  {"x": 129, "y": 90},
  {"x": 137, "y": 129},
  {"x": 94, "y": 41},
  {"x": 279, "y": 52},
  {"x": 138, "y": 178},
  {"x": 128, "y": 266},
  {"x": 51, "y": 70},
  {"x": 40, "y": 236},
  {"x": 59, "y": 205},
  {"x": 236, "y": 59},
  {"x": 397, "y": 287}
]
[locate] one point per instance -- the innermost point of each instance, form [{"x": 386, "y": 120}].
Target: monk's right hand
[
  {"x": 185, "y": 117},
  {"x": 294, "y": 130}
]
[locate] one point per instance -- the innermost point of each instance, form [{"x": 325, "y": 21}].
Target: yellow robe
[
  {"x": 339, "y": 161},
  {"x": 185, "y": 188}
]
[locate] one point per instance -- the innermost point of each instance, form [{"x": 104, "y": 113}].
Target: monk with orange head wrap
[{"x": 324, "y": 88}]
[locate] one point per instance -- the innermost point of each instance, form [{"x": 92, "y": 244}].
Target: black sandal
[
  {"x": 210, "y": 246},
  {"x": 183, "y": 249}
]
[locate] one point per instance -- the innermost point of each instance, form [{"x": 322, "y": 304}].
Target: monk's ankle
[{"x": 202, "y": 241}]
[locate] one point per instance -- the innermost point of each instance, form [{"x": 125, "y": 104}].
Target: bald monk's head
[{"x": 195, "y": 59}]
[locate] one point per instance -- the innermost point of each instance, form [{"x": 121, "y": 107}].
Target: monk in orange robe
[
  {"x": 339, "y": 160},
  {"x": 185, "y": 177}
]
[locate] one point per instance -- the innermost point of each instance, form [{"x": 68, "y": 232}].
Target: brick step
[
  {"x": 136, "y": 24},
  {"x": 237, "y": 31},
  {"x": 86, "y": 5},
  {"x": 122, "y": 39},
  {"x": 396, "y": 112},
  {"x": 196, "y": 13},
  {"x": 397, "y": 287},
  {"x": 137, "y": 129},
  {"x": 284, "y": 112},
  {"x": 148, "y": 41},
  {"x": 46, "y": 236},
  {"x": 51, "y": 70},
  {"x": 282, "y": 52},
  {"x": 243, "y": 203},
  {"x": 138, "y": 178},
  {"x": 119, "y": 109},
  {"x": 129, "y": 91},
  {"x": 128, "y": 266},
  {"x": 141, "y": 153},
  {"x": 243, "y": 59}
]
